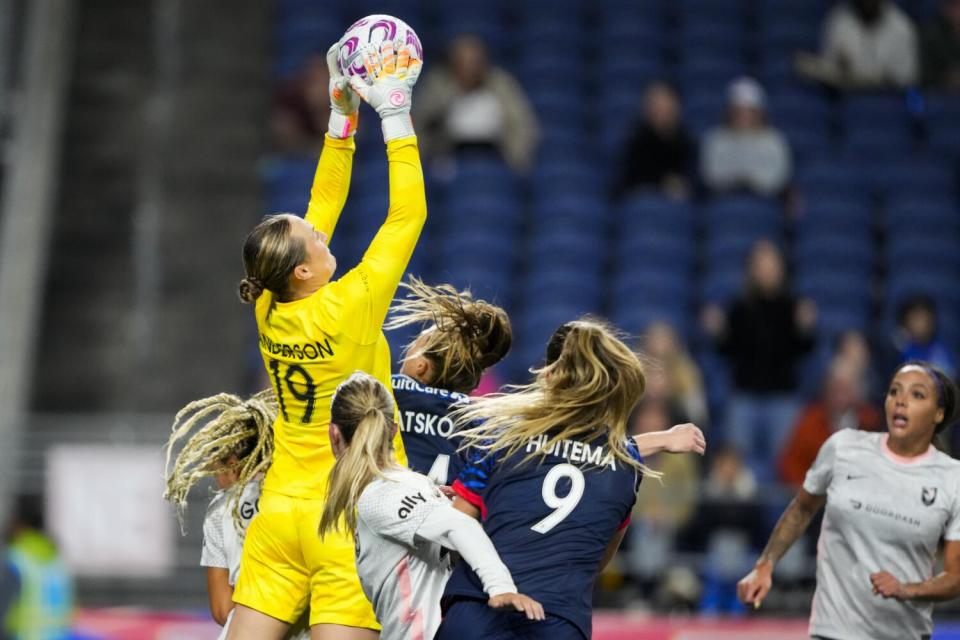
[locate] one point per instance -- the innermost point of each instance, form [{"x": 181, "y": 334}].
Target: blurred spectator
[
  {"x": 471, "y": 104},
  {"x": 842, "y": 405},
  {"x": 764, "y": 336},
  {"x": 732, "y": 517},
  {"x": 301, "y": 109},
  {"x": 940, "y": 49},
  {"x": 661, "y": 509},
  {"x": 867, "y": 44},
  {"x": 42, "y": 606},
  {"x": 682, "y": 382},
  {"x": 852, "y": 348},
  {"x": 659, "y": 153},
  {"x": 746, "y": 153},
  {"x": 916, "y": 337},
  {"x": 730, "y": 478}
]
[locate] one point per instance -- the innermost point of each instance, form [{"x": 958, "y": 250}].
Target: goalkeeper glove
[
  {"x": 391, "y": 73},
  {"x": 344, "y": 102}
]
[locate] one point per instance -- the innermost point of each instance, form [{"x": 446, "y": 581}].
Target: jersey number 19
[{"x": 295, "y": 375}]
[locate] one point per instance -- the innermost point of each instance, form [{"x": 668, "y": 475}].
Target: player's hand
[
  {"x": 343, "y": 99},
  {"x": 884, "y": 584},
  {"x": 344, "y": 102},
  {"x": 685, "y": 438},
  {"x": 391, "y": 73},
  {"x": 519, "y": 602},
  {"x": 753, "y": 588}
]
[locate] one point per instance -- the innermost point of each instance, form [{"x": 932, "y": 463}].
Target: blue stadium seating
[
  {"x": 655, "y": 213},
  {"x": 744, "y": 216},
  {"x": 838, "y": 253},
  {"x": 835, "y": 177},
  {"x": 827, "y": 216},
  {"x": 879, "y": 201},
  {"x": 908, "y": 214}
]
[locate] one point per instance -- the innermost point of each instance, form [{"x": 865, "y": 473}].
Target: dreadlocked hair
[
  {"x": 362, "y": 409},
  {"x": 462, "y": 336},
  {"x": 587, "y": 389},
  {"x": 216, "y": 429}
]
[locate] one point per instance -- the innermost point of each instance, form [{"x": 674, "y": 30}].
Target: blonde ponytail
[
  {"x": 362, "y": 410},
  {"x": 587, "y": 389}
]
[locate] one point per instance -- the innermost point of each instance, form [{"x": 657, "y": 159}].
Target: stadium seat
[
  {"x": 785, "y": 38},
  {"x": 744, "y": 216},
  {"x": 943, "y": 124},
  {"x": 909, "y": 214},
  {"x": 931, "y": 252},
  {"x": 574, "y": 204},
  {"x": 919, "y": 177},
  {"x": 721, "y": 283},
  {"x": 574, "y": 246},
  {"x": 656, "y": 213},
  {"x": 840, "y": 251},
  {"x": 562, "y": 282},
  {"x": 878, "y": 143},
  {"x": 827, "y": 216},
  {"x": 834, "y": 177},
  {"x": 700, "y": 40},
  {"x": 667, "y": 251}
]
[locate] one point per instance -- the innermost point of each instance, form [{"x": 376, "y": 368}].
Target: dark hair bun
[
  {"x": 496, "y": 340},
  {"x": 249, "y": 289}
]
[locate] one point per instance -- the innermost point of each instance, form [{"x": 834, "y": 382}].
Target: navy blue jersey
[
  {"x": 428, "y": 434},
  {"x": 551, "y": 520}
]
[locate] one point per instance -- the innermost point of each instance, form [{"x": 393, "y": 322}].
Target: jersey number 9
[
  {"x": 563, "y": 505},
  {"x": 295, "y": 375}
]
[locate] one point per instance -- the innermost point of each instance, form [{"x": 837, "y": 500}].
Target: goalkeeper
[{"x": 313, "y": 333}]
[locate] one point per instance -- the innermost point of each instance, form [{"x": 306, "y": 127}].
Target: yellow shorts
[{"x": 285, "y": 566}]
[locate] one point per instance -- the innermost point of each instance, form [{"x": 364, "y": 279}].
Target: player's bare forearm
[
  {"x": 682, "y": 438},
  {"x": 219, "y": 594},
  {"x": 651, "y": 443},
  {"x": 794, "y": 521},
  {"x": 945, "y": 586}
]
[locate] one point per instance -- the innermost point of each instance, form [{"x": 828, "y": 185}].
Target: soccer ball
[{"x": 374, "y": 30}]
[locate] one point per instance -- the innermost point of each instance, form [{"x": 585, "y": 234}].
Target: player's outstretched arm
[
  {"x": 755, "y": 586},
  {"x": 456, "y": 531},
  {"x": 682, "y": 438},
  {"x": 943, "y": 586},
  {"x": 331, "y": 182},
  {"x": 393, "y": 74}
]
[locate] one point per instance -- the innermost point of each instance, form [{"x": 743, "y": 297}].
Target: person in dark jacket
[
  {"x": 660, "y": 153},
  {"x": 764, "y": 334}
]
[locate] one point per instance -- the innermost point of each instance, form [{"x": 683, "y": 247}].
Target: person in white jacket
[{"x": 403, "y": 525}]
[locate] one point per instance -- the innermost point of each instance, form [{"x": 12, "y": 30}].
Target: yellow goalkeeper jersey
[{"x": 311, "y": 345}]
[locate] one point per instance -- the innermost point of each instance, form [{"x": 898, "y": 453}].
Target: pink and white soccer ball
[{"x": 374, "y": 30}]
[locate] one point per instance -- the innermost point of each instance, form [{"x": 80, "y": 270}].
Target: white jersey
[
  {"x": 222, "y": 542},
  {"x": 883, "y": 513},
  {"x": 404, "y": 526}
]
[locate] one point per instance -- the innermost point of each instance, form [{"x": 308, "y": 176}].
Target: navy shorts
[{"x": 468, "y": 619}]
